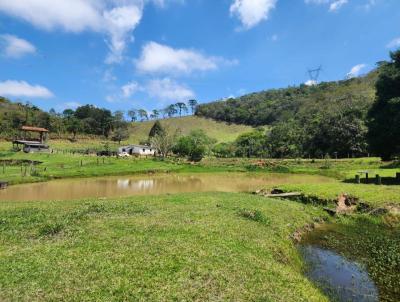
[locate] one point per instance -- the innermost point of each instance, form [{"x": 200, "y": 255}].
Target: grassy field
[
  {"x": 193, "y": 247},
  {"x": 222, "y": 132},
  {"x": 186, "y": 247}
]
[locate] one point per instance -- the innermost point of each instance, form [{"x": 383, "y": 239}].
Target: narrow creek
[
  {"x": 340, "y": 278},
  {"x": 354, "y": 259}
]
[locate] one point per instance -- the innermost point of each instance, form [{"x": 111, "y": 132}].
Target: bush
[{"x": 194, "y": 146}]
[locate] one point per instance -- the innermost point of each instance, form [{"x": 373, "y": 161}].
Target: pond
[{"x": 69, "y": 189}]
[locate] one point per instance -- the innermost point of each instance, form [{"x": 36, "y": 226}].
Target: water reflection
[
  {"x": 339, "y": 278},
  {"x": 156, "y": 184}
]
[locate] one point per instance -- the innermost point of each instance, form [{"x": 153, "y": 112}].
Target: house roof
[
  {"x": 34, "y": 129},
  {"x": 138, "y": 146}
]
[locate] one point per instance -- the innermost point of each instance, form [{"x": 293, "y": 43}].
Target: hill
[
  {"x": 279, "y": 105},
  {"x": 221, "y": 131}
]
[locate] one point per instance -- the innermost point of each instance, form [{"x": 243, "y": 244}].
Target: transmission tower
[{"x": 314, "y": 74}]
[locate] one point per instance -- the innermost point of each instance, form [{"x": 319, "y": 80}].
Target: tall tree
[
  {"x": 132, "y": 114},
  {"x": 181, "y": 107},
  {"x": 164, "y": 142},
  {"x": 384, "y": 116},
  {"x": 155, "y": 113},
  {"x": 171, "y": 110},
  {"x": 192, "y": 104},
  {"x": 156, "y": 129},
  {"x": 143, "y": 114}
]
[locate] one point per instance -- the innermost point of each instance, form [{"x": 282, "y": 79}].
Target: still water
[
  {"x": 341, "y": 279},
  {"x": 69, "y": 189}
]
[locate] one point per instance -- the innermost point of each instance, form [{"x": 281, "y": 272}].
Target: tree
[
  {"x": 164, "y": 142},
  {"x": 252, "y": 144},
  {"x": 384, "y": 116},
  {"x": 95, "y": 120},
  {"x": 120, "y": 134},
  {"x": 164, "y": 112},
  {"x": 132, "y": 114},
  {"x": 155, "y": 114},
  {"x": 143, "y": 114},
  {"x": 156, "y": 129},
  {"x": 285, "y": 140},
  {"x": 73, "y": 126},
  {"x": 171, "y": 110},
  {"x": 192, "y": 104},
  {"x": 181, "y": 107},
  {"x": 224, "y": 150},
  {"x": 194, "y": 146},
  {"x": 67, "y": 113}
]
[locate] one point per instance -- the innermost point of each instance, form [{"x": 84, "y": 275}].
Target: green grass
[
  {"x": 187, "y": 247},
  {"x": 222, "y": 132},
  {"x": 375, "y": 196}
]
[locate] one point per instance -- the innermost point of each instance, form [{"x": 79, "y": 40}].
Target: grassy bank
[
  {"x": 197, "y": 247},
  {"x": 55, "y": 166},
  {"x": 375, "y": 196}
]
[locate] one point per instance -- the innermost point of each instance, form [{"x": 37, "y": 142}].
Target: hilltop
[
  {"x": 280, "y": 105},
  {"x": 221, "y": 131}
]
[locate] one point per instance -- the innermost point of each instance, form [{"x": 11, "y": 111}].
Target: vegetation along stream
[{"x": 355, "y": 259}]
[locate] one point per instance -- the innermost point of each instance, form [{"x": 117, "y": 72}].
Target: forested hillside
[
  {"x": 329, "y": 119},
  {"x": 272, "y": 106}
]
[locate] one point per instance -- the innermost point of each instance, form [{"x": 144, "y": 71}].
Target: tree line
[
  {"x": 85, "y": 120},
  {"x": 170, "y": 111}
]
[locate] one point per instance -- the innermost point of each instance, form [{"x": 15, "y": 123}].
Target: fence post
[
  {"x": 81, "y": 163},
  {"x": 366, "y": 177},
  {"x": 357, "y": 179},
  {"x": 378, "y": 179},
  {"x": 4, "y": 168}
]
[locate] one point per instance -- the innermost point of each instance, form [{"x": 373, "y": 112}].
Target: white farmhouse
[{"x": 139, "y": 150}]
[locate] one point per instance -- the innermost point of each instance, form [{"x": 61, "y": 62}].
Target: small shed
[
  {"x": 28, "y": 144},
  {"x": 140, "y": 150},
  {"x": 3, "y": 184}
]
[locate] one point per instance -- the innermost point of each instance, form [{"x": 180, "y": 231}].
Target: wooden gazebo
[{"x": 32, "y": 145}]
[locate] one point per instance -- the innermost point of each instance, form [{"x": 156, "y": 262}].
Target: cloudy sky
[{"x": 123, "y": 54}]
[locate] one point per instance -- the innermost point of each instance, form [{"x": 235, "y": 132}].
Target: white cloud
[
  {"x": 168, "y": 90},
  {"x": 14, "y": 47},
  {"x": 334, "y": 5},
  {"x": 158, "y": 58},
  {"x": 394, "y": 43},
  {"x": 130, "y": 89},
  {"x": 23, "y": 89},
  {"x": 72, "y": 15},
  {"x": 115, "y": 18},
  {"x": 163, "y": 3},
  {"x": 120, "y": 23},
  {"x": 356, "y": 70},
  {"x": 252, "y": 12},
  {"x": 311, "y": 83}
]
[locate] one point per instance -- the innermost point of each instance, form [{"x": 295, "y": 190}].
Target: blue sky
[{"x": 123, "y": 54}]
